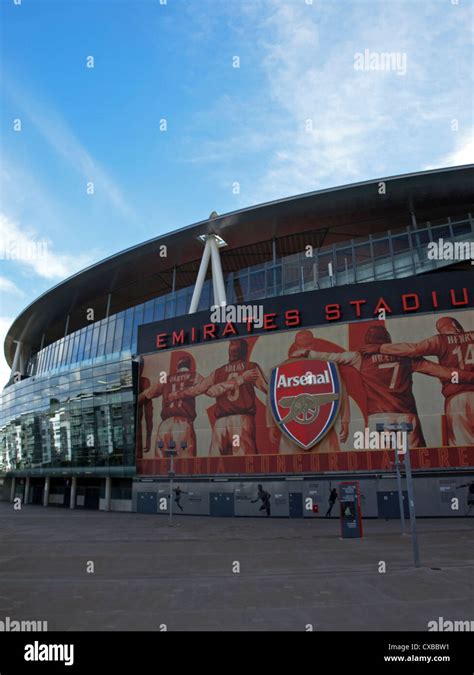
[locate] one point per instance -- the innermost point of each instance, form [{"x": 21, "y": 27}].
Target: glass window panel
[
  {"x": 117, "y": 344},
  {"x": 169, "y": 308},
  {"x": 54, "y": 358},
  {"x": 75, "y": 346},
  {"x": 159, "y": 312},
  {"x": 463, "y": 227},
  {"x": 80, "y": 352},
  {"x": 420, "y": 237},
  {"x": 323, "y": 260},
  {"x": 381, "y": 248},
  {"x": 241, "y": 286},
  {"x": 67, "y": 349},
  {"x": 441, "y": 232},
  {"x": 127, "y": 329},
  {"x": 148, "y": 311},
  {"x": 49, "y": 357},
  {"x": 102, "y": 338},
  {"x": 137, "y": 320},
  {"x": 205, "y": 299},
  {"x": 257, "y": 284},
  {"x": 61, "y": 352},
  {"x": 89, "y": 341},
  {"x": 111, "y": 323},
  {"x": 181, "y": 303},
  {"x": 344, "y": 266},
  {"x": 400, "y": 244}
]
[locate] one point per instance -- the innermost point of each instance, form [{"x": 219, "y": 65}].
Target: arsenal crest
[{"x": 305, "y": 399}]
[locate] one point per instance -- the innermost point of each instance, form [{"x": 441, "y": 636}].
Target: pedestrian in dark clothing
[
  {"x": 332, "y": 501},
  {"x": 178, "y": 492},
  {"x": 265, "y": 497},
  {"x": 470, "y": 496}
]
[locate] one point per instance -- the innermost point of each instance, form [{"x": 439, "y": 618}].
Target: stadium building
[{"x": 261, "y": 347}]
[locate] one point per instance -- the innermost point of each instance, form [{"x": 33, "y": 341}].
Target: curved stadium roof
[{"x": 321, "y": 218}]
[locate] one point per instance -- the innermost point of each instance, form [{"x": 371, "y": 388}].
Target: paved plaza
[{"x": 292, "y": 572}]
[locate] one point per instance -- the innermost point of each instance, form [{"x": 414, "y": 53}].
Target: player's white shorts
[
  {"x": 415, "y": 438},
  {"x": 177, "y": 429},
  {"x": 459, "y": 411},
  {"x": 234, "y": 435}
]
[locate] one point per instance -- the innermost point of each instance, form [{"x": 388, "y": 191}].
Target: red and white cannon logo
[{"x": 305, "y": 399}]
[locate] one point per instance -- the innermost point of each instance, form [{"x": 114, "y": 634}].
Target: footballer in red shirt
[
  {"x": 454, "y": 348},
  {"x": 388, "y": 381},
  {"x": 233, "y": 387}
]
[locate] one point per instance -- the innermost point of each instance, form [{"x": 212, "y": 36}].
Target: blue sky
[{"x": 295, "y": 116}]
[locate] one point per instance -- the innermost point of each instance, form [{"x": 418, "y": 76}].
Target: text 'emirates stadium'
[{"x": 344, "y": 322}]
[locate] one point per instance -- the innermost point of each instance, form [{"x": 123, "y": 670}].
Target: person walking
[
  {"x": 177, "y": 496},
  {"x": 265, "y": 497},
  {"x": 332, "y": 501}
]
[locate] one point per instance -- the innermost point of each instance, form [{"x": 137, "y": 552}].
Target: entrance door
[
  {"x": 295, "y": 500},
  {"x": 147, "y": 502},
  {"x": 36, "y": 492},
  {"x": 389, "y": 507},
  {"x": 222, "y": 504},
  {"x": 67, "y": 496},
  {"x": 91, "y": 498}
]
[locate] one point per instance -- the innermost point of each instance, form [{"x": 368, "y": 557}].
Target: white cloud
[
  {"x": 38, "y": 253},
  {"x": 463, "y": 153},
  {"x": 5, "y": 323},
  {"x": 64, "y": 142},
  {"x": 7, "y": 286},
  {"x": 316, "y": 121}
]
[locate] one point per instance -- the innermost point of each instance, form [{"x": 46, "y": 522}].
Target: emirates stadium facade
[{"x": 258, "y": 348}]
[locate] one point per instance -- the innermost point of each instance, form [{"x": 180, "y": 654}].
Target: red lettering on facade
[
  {"x": 382, "y": 305},
  {"x": 269, "y": 322},
  {"x": 281, "y": 464},
  {"x": 161, "y": 341},
  {"x": 178, "y": 338},
  {"x": 209, "y": 330},
  {"x": 358, "y": 303},
  {"x": 351, "y": 461},
  {"x": 292, "y": 317},
  {"x": 408, "y": 298},
  {"x": 463, "y": 460},
  {"x": 333, "y": 312},
  {"x": 456, "y": 302},
  {"x": 424, "y": 458},
  {"x": 443, "y": 457},
  {"x": 332, "y": 461},
  {"x": 229, "y": 328}
]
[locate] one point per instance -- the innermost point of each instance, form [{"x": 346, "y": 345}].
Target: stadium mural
[{"x": 297, "y": 400}]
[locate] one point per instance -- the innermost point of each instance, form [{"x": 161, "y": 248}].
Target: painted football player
[
  {"x": 233, "y": 386},
  {"x": 454, "y": 348},
  {"x": 388, "y": 381},
  {"x": 177, "y": 414}
]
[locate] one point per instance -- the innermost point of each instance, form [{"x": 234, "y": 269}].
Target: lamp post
[
  {"x": 171, "y": 453},
  {"x": 405, "y": 428}
]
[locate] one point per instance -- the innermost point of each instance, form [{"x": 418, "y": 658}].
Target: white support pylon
[{"x": 211, "y": 251}]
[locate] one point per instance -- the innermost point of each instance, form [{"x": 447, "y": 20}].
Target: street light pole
[
  {"x": 405, "y": 428},
  {"x": 411, "y": 504},
  {"x": 400, "y": 491},
  {"x": 171, "y": 452}
]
